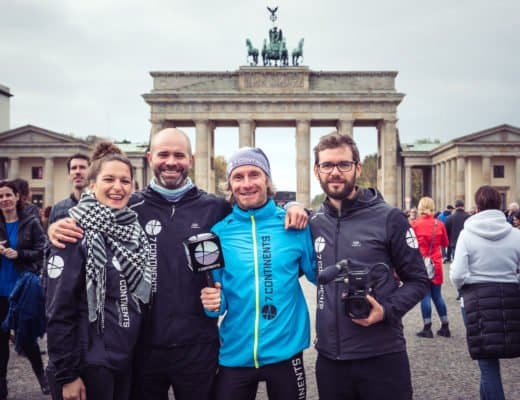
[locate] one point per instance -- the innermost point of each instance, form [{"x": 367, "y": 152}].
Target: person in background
[
  {"x": 446, "y": 251},
  {"x": 97, "y": 287},
  {"x": 486, "y": 271},
  {"x": 21, "y": 251},
  {"x": 511, "y": 210},
  {"x": 26, "y": 197},
  {"x": 431, "y": 235},
  {"x": 516, "y": 219},
  {"x": 77, "y": 167},
  {"x": 455, "y": 223},
  {"x": 259, "y": 288},
  {"x": 412, "y": 214}
]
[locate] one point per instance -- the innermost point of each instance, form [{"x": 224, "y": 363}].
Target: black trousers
[
  {"x": 284, "y": 381},
  {"x": 384, "y": 377},
  {"x": 190, "y": 370},
  {"x": 32, "y": 351},
  {"x": 101, "y": 383}
]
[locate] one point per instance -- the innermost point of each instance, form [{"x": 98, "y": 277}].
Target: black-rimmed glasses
[{"x": 343, "y": 166}]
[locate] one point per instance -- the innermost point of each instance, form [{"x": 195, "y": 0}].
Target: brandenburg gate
[{"x": 294, "y": 97}]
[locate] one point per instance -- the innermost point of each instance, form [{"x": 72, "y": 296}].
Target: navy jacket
[
  {"x": 176, "y": 316},
  {"x": 72, "y": 341},
  {"x": 369, "y": 231}
]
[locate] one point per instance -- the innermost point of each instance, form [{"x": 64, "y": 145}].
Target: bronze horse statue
[
  {"x": 297, "y": 53},
  {"x": 252, "y": 52},
  {"x": 275, "y": 51}
]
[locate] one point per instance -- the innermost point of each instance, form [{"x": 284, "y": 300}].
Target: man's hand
[
  {"x": 210, "y": 297},
  {"x": 74, "y": 390},
  {"x": 296, "y": 217},
  {"x": 11, "y": 254},
  {"x": 64, "y": 231},
  {"x": 377, "y": 313}
]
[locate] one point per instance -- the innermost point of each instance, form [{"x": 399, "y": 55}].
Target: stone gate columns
[
  {"x": 202, "y": 146},
  {"x": 388, "y": 151},
  {"x": 461, "y": 165},
  {"x": 211, "y": 157},
  {"x": 303, "y": 167},
  {"x": 48, "y": 176},
  {"x": 442, "y": 187},
  {"x": 14, "y": 168},
  {"x": 434, "y": 185},
  {"x": 486, "y": 170},
  {"x": 345, "y": 127},
  {"x": 246, "y": 133},
  {"x": 407, "y": 187},
  {"x": 139, "y": 178},
  {"x": 517, "y": 183},
  {"x": 156, "y": 127}
]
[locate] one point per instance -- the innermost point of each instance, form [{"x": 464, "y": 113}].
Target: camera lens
[{"x": 357, "y": 307}]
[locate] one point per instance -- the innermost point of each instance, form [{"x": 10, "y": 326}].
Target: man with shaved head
[{"x": 179, "y": 343}]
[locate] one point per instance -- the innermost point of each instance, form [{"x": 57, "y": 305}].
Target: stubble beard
[{"x": 348, "y": 188}]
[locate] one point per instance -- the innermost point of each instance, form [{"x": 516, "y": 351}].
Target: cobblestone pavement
[{"x": 441, "y": 367}]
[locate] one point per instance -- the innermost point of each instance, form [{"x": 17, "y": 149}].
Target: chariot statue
[{"x": 274, "y": 51}]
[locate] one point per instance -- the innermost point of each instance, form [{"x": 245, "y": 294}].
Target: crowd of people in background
[{"x": 126, "y": 318}]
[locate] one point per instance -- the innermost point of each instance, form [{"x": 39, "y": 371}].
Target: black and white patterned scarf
[{"x": 120, "y": 230}]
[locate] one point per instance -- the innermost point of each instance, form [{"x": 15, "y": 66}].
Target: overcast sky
[{"x": 81, "y": 66}]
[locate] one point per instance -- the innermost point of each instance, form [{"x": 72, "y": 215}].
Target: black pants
[
  {"x": 101, "y": 383},
  {"x": 384, "y": 377},
  {"x": 284, "y": 381},
  {"x": 189, "y": 369},
  {"x": 32, "y": 351}
]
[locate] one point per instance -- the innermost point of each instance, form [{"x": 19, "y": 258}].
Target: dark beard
[
  {"x": 348, "y": 188},
  {"x": 171, "y": 185}
]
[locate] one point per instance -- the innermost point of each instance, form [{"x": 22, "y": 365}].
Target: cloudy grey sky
[{"x": 81, "y": 66}]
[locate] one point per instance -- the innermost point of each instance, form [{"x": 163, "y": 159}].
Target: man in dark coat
[{"x": 455, "y": 224}]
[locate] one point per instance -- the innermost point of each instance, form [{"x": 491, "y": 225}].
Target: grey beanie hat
[{"x": 248, "y": 156}]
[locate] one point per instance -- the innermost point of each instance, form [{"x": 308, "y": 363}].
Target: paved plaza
[{"x": 441, "y": 367}]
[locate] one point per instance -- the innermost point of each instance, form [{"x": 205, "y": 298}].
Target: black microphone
[
  {"x": 204, "y": 254},
  {"x": 328, "y": 274}
]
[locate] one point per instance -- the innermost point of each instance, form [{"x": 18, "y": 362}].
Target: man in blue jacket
[
  {"x": 362, "y": 356},
  {"x": 265, "y": 327}
]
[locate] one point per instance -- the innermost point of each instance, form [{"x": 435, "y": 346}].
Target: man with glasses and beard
[{"x": 362, "y": 357}]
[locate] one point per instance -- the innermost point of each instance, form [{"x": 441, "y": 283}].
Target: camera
[{"x": 359, "y": 280}]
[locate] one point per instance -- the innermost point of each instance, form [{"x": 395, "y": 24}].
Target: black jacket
[
  {"x": 61, "y": 208},
  {"x": 493, "y": 319},
  {"x": 455, "y": 224},
  {"x": 369, "y": 231},
  {"x": 73, "y": 342},
  {"x": 176, "y": 316},
  {"x": 31, "y": 242}
]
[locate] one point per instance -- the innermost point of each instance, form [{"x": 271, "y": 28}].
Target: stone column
[
  {"x": 48, "y": 177},
  {"x": 139, "y": 178},
  {"x": 14, "y": 168},
  {"x": 345, "y": 127},
  {"x": 303, "y": 167},
  {"x": 407, "y": 187},
  {"x": 388, "y": 132},
  {"x": 442, "y": 186},
  {"x": 434, "y": 185},
  {"x": 461, "y": 166},
  {"x": 246, "y": 133},
  {"x": 211, "y": 153},
  {"x": 156, "y": 127},
  {"x": 517, "y": 180},
  {"x": 453, "y": 179},
  {"x": 202, "y": 154},
  {"x": 486, "y": 170}
]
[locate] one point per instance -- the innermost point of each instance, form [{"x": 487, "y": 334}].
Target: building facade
[{"x": 456, "y": 169}]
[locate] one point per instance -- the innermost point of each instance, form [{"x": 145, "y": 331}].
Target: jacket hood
[
  {"x": 488, "y": 224},
  {"x": 365, "y": 197}
]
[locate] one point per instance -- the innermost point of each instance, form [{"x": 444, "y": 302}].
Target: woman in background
[
  {"x": 431, "y": 235},
  {"x": 21, "y": 250},
  {"x": 486, "y": 270}
]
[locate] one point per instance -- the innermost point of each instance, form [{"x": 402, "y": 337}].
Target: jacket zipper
[
  {"x": 257, "y": 293},
  {"x": 336, "y": 287}
]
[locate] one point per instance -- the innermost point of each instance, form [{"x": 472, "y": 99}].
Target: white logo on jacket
[
  {"x": 153, "y": 227},
  {"x": 55, "y": 267},
  {"x": 411, "y": 239},
  {"x": 319, "y": 244}
]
